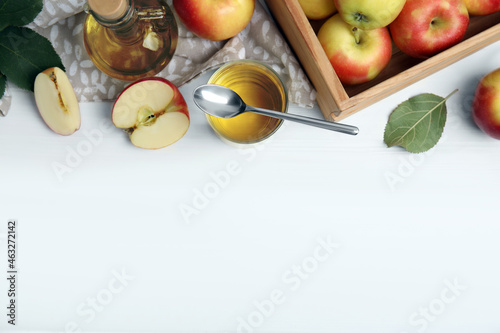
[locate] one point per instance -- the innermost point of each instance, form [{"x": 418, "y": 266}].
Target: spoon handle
[{"x": 346, "y": 129}]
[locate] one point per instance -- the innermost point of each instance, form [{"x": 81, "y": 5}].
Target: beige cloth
[{"x": 62, "y": 23}]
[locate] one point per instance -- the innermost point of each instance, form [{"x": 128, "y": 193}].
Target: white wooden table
[{"x": 313, "y": 231}]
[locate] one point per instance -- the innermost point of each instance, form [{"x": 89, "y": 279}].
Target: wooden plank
[
  {"x": 304, "y": 42},
  {"x": 338, "y": 101}
]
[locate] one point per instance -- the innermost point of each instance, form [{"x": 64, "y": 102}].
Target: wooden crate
[{"x": 338, "y": 101}]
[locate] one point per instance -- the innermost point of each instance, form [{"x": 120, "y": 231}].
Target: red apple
[
  {"x": 153, "y": 113},
  {"x": 426, "y": 27},
  {"x": 356, "y": 55},
  {"x": 486, "y": 104},
  {"x": 482, "y": 7},
  {"x": 215, "y": 19}
]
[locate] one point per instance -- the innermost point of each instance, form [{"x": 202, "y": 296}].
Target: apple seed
[
  {"x": 145, "y": 116},
  {"x": 62, "y": 104}
]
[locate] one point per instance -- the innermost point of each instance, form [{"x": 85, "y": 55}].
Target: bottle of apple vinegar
[{"x": 130, "y": 39}]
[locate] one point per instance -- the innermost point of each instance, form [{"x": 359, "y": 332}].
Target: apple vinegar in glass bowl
[{"x": 258, "y": 85}]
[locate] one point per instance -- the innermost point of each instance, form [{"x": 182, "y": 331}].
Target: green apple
[
  {"x": 369, "y": 14},
  {"x": 357, "y": 56},
  {"x": 318, "y": 9}
]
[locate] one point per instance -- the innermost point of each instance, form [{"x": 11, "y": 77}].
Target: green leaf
[
  {"x": 18, "y": 12},
  {"x": 24, "y": 54},
  {"x": 418, "y": 123},
  {"x": 3, "y": 83}
]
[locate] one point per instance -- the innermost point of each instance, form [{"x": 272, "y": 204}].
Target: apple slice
[
  {"x": 153, "y": 113},
  {"x": 56, "y": 101}
]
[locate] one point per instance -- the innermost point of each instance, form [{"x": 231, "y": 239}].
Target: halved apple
[
  {"x": 56, "y": 101},
  {"x": 153, "y": 113}
]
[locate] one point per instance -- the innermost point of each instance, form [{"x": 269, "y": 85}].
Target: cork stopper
[{"x": 108, "y": 9}]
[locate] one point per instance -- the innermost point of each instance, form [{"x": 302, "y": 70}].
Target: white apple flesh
[
  {"x": 56, "y": 101},
  {"x": 153, "y": 113}
]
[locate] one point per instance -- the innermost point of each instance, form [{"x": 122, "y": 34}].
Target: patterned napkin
[{"x": 62, "y": 23}]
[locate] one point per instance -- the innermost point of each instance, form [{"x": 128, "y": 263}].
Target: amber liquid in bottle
[{"x": 138, "y": 45}]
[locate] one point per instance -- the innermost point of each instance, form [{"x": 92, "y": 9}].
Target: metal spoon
[{"x": 222, "y": 102}]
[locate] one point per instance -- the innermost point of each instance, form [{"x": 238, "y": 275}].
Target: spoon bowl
[
  {"x": 223, "y": 102},
  {"x": 219, "y": 101}
]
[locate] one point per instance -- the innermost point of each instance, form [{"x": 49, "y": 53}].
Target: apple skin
[
  {"x": 166, "y": 105},
  {"x": 369, "y": 14},
  {"x": 318, "y": 9},
  {"x": 482, "y": 7},
  {"x": 215, "y": 20},
  {"x": 427, "y": 27},
  {"x": 355, "y": 62},
  {"x": 486, "y": 104}
]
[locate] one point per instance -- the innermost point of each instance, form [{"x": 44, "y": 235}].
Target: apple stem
[
  {"x": 451, "y": 94},
  {"x": 356, "y": 34}
]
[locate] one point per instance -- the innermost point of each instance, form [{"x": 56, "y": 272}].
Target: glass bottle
[{"x": 130, "y": 39}]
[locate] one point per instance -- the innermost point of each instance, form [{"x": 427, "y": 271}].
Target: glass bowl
[{"x": 258, "y": 85}]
